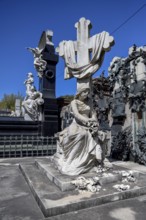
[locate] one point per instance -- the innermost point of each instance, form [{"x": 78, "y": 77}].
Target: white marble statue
[
  {"x": 29, "y": 82},
  {"x": 79, "y": 147},
  {"x": 32, "y": 100},
  {"x": 90, "y": 51},
  {"x": 39, "y": 63}
]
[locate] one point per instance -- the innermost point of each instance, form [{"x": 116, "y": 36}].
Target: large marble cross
[
  {"x": 84, "y": 56},
  {"x": 83, "y": 45}
]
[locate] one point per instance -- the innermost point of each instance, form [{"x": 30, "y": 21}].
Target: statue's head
[
  {"x": 30, "y": 74},
  {"x": 83, "y": 93}
]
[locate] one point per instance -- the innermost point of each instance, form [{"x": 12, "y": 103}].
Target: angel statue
[{"x": 39, "y": 63}]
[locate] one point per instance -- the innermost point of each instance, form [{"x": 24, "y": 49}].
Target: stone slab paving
[{"x": 16, "y": 200}]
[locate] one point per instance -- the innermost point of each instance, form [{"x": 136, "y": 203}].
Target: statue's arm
[
  {"x": 94, "y": 116},
  {"x": 77, "y": 115}
]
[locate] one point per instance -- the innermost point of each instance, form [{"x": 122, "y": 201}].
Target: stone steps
[
  {"x": 38, "y": 183},
  {"x": 48, "y": 185}
]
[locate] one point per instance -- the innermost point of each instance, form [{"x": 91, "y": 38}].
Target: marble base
[
  {"x": 55, "y": 195},
  {"x": 64, "y": 181}
]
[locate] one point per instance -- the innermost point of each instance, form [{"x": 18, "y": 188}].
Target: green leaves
[{"x": 8, "y": 101}]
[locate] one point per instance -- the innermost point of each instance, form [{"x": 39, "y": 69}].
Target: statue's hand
[
  {"x": 93, "y": 127},
  {"x": 92, "y": 123},
  {"x": 92, "y": 120}
]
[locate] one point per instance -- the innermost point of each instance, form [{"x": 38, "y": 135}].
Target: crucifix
[{"x": 84, "y": 56}]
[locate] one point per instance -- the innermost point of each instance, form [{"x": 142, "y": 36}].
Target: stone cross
[
  {"x": 82, "y": 44},
  {"x": 82, "y": 48}
]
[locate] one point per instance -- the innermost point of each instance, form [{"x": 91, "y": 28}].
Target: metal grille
[{"x": 26, "y": 146}]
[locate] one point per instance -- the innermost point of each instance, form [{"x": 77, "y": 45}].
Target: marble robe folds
[{"x": 77, "y": 150}]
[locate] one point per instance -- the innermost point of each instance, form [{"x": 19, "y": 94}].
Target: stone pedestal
[{"x": 56, "y": 195}]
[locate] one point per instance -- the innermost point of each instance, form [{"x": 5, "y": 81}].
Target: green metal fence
[{"x": 26, "y": 146}]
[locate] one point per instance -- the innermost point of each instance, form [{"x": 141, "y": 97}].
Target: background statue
[
  {"x": 79, "y": 147},
  {"x": 32, "y": 100},
  {"x": 29, "y": 82},
  {"x": 39, "y": 63}
]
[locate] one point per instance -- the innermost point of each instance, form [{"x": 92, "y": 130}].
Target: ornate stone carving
[
  {"x": 32, "y": 100},
  {"x": 39, "y": 63}
]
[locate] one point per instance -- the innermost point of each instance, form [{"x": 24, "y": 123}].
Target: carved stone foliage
[{"x": 122, "y": 144}]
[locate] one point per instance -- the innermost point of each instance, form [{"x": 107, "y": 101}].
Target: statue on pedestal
[
  {"x": 32, "y": 100},
  {"x": 81, "y": 145}
]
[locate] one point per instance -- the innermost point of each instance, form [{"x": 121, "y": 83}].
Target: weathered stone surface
[
  {"x": 16, "y": 200},
  {"x": 128, "y": 85},
  {"x": 64, "y": 181},
  {"x": 132, "y": 209},
  {"x": 53, "y": 201}
]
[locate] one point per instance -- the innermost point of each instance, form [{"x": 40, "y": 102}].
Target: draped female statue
[{"x": 79, "y": 148}]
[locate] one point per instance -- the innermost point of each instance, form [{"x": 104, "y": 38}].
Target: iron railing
[{"x": 26, "y": 146}]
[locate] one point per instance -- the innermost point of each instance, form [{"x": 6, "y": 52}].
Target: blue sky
[{"x": 23, "y": 21}]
